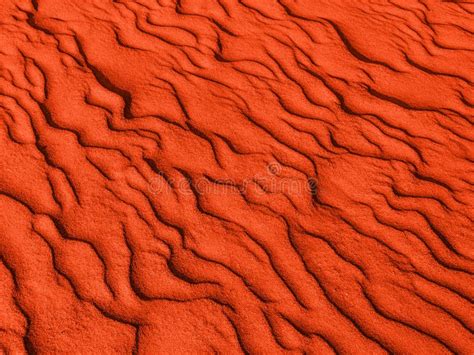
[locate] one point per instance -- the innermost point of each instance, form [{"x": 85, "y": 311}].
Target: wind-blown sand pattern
[{"x": 236, "y": 176}]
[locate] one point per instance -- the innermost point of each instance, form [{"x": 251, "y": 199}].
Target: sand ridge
[{"x": 236, "y": 176}]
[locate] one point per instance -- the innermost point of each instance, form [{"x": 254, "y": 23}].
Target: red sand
[{"x": 223, "y": 176}]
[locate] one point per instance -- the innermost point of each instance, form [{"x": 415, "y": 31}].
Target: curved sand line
[{"x": 236, "y": 176}]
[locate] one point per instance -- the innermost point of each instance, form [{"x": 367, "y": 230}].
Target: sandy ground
[{"x": 236, "y": 176}]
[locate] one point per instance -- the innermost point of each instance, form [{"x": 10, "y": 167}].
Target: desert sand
[{"x": 236, "y": 177}]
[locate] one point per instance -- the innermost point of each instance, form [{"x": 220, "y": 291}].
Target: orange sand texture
[{"x": 236, "y": 176}]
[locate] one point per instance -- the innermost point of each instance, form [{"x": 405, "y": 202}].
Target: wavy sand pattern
[{"x": 236, "y": 176}]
